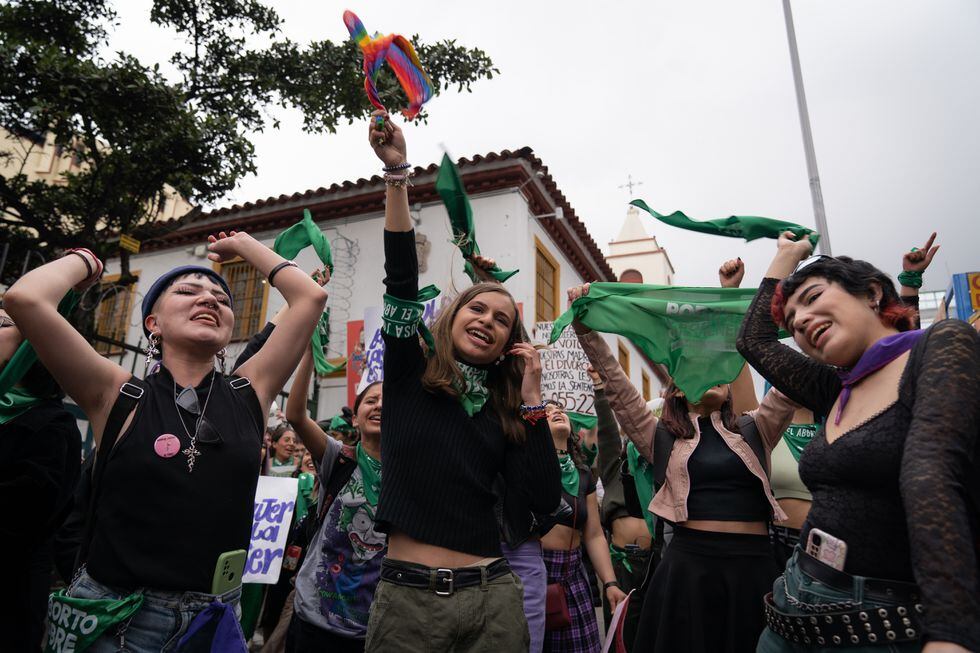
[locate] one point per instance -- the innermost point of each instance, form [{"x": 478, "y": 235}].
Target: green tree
[{"x": 135, "y": 128}]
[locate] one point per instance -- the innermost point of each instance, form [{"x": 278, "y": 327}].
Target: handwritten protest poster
[
  {"x": 275, "y": 499},
  {"x": 563, "y": 371}
]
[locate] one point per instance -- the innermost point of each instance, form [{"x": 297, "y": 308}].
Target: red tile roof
[{"x": 519, "y": 169}]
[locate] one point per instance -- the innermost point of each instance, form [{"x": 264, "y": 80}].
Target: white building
[
  {"x": 514, "y": 203},
  {"x": 637, "y": 257}
]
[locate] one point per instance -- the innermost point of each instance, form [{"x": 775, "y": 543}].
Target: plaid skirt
[{"x": 582, "y": 636}]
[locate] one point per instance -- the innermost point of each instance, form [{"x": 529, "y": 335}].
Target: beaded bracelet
[
  {"x": 397, "y": 167},
  {"x": 532, "y": 413},
  {"x": 398, "y": 181},
  {"x": 275, "y": 270}
]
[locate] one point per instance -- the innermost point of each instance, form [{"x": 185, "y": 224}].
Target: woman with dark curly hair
[{"x": 887, "y": 554}]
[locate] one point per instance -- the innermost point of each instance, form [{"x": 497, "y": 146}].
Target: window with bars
[
  {"x": 248, "y": 294},
  {"x": 113, "y": 315},
  {"x": 546, "y": 285}
]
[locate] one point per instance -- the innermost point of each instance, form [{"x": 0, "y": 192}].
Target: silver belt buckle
[{"x": 447, "y": 578}]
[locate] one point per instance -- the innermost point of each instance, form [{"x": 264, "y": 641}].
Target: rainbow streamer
[{"x": 400, "y": 55}]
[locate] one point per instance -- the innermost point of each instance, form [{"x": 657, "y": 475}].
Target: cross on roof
[{"x": 630, "y": 184}]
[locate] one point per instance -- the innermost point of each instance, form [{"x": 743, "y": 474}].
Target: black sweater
[
  {"x": 440, "y": 463},
  {"x": 894, "y": 487}
]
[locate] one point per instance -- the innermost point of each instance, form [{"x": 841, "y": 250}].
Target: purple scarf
[
  {"x": 214, "y": 630},
  {"x": 876, "y": 357}
]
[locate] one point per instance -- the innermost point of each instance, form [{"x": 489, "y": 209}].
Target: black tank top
[
  {"x": 722, "y": 487},
  {"x": 159, "y": 526}
]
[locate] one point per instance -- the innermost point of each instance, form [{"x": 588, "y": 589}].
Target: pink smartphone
[{"x": 826, "y": 548}]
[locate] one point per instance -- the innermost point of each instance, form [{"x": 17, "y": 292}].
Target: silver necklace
[{"x": 192, "y": 452}]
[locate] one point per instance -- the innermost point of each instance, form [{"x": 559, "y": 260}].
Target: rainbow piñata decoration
[{"x": 400, "y": 56}]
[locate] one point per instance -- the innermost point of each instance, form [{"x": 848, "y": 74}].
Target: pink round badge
[{"x": 166, "y": 445}]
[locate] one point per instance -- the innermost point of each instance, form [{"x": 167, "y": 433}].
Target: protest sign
[
  {"x": 563, "y": 374},
  {"x": 275, "y": 499}
]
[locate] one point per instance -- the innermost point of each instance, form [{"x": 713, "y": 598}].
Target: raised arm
[
  {"x": 312, "y": 435},
  {"x": 32, "y": 302},
  {"x": 272, "y": 365},
  {"x": 914, "y": 264},
  {"x": 636, "y": 420},
  {"x": 938, "y": 474},
  {"x": 802, "y": 379},
  {"x": 610, "y": 442},
  {"x": 744, "y": 399}
]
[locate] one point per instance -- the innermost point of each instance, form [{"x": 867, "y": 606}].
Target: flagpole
[{"x": 811, "y": 157}]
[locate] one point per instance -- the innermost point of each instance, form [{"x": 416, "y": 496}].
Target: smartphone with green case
[{"x": 228, "y": 571}]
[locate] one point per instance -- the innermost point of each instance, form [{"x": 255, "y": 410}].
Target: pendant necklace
[{"x": 192, "y": 452}]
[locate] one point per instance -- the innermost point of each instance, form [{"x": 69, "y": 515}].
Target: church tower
[{"x": 636, "y": 257}]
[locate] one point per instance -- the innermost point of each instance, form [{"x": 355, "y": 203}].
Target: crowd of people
[{"x": 453, "y": 508}]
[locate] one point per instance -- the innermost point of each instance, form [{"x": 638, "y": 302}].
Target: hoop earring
[
  {"x": 151, "y": 350},
  {"x": 221, "y": 359}
]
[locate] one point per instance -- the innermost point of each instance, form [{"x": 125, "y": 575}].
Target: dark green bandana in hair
[
  {"x": 402, "y": 318},
  {"x": 74, "y": 624},
  {"x": 797, "y": 436},
  {"x": 748, "y": 227},
  {"x": 569, "y": 474},
  {"x": 370, "y": 474},
  {"x": 450, "y": 189},
  {"x": 474, "y": 396}
]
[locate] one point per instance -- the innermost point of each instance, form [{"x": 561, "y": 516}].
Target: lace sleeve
[
  {"x": 939, "y": 467},
  {"x": 799, "y": 377}
]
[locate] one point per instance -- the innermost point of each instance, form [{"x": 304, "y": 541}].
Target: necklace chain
[{"x": 192, "y": 452}]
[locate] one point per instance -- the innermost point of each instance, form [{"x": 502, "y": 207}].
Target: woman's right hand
[
  {"x": 797, "y": 248},
  {"x": 577, "y": 291},
  {"x": 389, "y": 141}
]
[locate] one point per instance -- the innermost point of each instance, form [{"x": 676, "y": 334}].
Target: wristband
[
  {"x": 532, "y": 414},
  {"x": 910, "y": 278},
  {"x": 92, "y": 274},
  {"x": 275, "y": 270},
  {"x": 398, "y": 181},
  {"x": 612, "y": 583},
  {"x": 397, "y": 167}
]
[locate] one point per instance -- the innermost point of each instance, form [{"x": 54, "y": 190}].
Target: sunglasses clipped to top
[
  {"x": 207, "y": 433},
  {"x": 810, "y": 260}
]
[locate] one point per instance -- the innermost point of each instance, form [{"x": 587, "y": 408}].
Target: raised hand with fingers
[
  {"x": 387, "y": 139},
  {"x": 577, "y": 291},
  {"x": 731, "y": 272},
  {"x": 531, "y": 384},
  {"x": 799, "y": 248},
  {"x": 226, "y": 246},
  {"x": 917, "y": 260}
]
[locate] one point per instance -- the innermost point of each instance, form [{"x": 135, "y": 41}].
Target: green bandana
[
  {"x": 617, "y": 555},
  {"x": 301, "y": 235},
  {"x": 797, "y": 436},
  {"x": 474, "y": 396},
  {"x": 339, "y": 424},
  {"x": 690, "y": 330},
  {"x": 642, "y": 472},
  {"x": 16, "y": 402},
  {"x": 402, "y": 318},
  {"x": 74, "y": 624},
  {"x": 569, "y": 474},
  {"x": 25, "y": 356},
  {"x": 304, "y": 494},
  {"x": 319, "y": 343},
  {"x": 581, "y": 421},
  {"x": 589, "y": 453},
  {"x": 450, "y": 189},
  {"x": 734, "y": 226},
  {"x": 370, "y": 474}
]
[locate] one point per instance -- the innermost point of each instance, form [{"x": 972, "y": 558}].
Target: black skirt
[{"x": 706, "y": 595}]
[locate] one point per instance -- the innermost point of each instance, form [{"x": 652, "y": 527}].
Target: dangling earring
[
  {"x": 221, "y": 359},
  {"x": 501, "y": 359},
  {"x": 151, "y": 351}
]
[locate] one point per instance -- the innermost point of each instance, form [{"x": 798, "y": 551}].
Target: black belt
[
  {"x": 890, "y": 590},
  {"x": 443, "y": 581}
]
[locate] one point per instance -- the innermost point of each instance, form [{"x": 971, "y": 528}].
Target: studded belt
[{"x": 843, "y": 623}]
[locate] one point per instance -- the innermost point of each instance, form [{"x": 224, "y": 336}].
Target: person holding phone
[
  {"x": 888, "y": 550},
  {"x": 187, "y": 435},
  {"x": 457, "y": 413}
]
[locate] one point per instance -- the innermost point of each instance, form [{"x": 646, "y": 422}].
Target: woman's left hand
[
  {"x": 531, "y": 385},
  {"x": 920, "y": 259},
  {"x": 615, "y": 596},
  {"x": 226, "y": 246}
]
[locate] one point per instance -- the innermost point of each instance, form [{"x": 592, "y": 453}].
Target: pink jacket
[{"x": 772, "y": 417}]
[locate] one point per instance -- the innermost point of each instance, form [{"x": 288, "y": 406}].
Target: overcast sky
[{"x": 695, "y": 99}]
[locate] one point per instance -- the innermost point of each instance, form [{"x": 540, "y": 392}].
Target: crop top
[{"x": 579, "y": 507}]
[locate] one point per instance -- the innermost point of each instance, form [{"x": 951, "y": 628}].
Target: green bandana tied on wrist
[
  {"x": 370, "y": 475},
  {"x": 797, "y": 436},
  {"x": 734, "y": 226},
  {"x": 402, "y": 318},
  {"x": 82, "y": 621},
  {"x": 569, "y": 474},
  {"x": 642, "y": 472},
  {"x": 474, "y": 396},
  {"x": 450, "y": 189},
  {"x": 910, "y": 278}
]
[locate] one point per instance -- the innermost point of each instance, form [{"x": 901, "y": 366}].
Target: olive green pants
[{"x": 488, "y": 619}]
